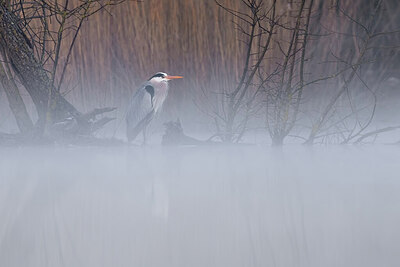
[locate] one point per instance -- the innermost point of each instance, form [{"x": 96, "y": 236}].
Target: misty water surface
[{"x": 242, "y": 206}]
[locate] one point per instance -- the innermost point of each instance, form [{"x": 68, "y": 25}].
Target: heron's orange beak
[{"x": 173, "y": 77}]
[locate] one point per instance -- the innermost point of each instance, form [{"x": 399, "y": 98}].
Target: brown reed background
[{"x": 118, "y": 50}]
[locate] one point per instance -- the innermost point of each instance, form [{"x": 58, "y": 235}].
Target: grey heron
[{"x": 146, "y": 103}]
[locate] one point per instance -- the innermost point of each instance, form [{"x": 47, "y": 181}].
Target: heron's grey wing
[{"x": 140, "y": 111}]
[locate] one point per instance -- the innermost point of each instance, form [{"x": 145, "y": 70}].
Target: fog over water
[{"x": 200, "y": 206}]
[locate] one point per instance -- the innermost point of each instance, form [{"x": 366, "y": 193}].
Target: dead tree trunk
[
  {"x": 17, "y": 105},
  {"x": 57, "y": 118},
  {"x": 51, "y": 106}
]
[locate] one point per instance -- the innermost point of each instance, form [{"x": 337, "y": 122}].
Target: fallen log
[{"x": 80, "y": 125}]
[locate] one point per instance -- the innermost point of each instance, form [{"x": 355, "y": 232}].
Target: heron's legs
[{"x": 144, "y": 136}]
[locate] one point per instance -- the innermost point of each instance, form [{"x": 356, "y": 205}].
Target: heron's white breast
[{"x": 160, "y": 94}]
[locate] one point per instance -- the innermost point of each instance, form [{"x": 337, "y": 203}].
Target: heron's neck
[
  {"x": 163, "y": 85},
  {"x": 160, "y": 94}
]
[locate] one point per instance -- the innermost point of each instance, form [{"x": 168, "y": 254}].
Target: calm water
[{"x": 243, "y": 206}]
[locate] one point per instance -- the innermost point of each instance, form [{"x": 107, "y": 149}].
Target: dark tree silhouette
[{"x": 32, "y": 55}]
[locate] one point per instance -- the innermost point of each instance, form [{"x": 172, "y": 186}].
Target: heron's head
[{"x": 163, "y": 77}]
